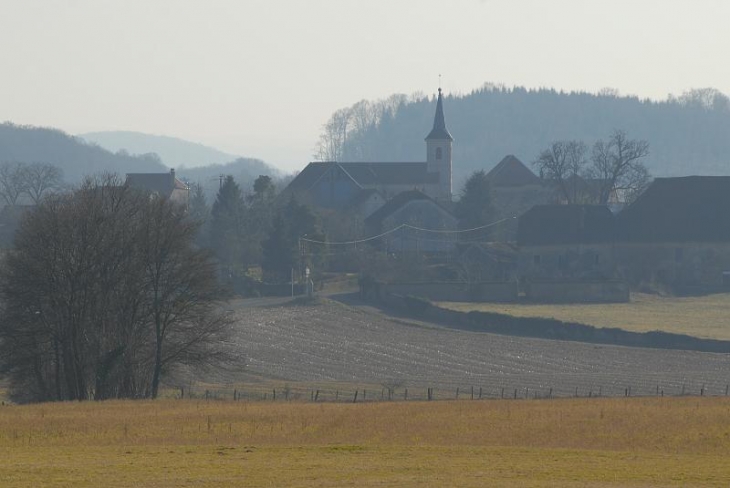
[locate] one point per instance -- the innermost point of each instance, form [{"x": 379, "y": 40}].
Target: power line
[{"x": 402, "y": 226}]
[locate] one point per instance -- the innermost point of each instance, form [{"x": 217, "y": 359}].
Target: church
[{"x": 364, "y": 187}]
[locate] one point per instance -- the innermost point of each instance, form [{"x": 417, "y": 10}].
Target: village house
[
  {"x": 166, "y": 185},
  {"x": 421, "y": 224},
  {"x": 566, "y": 242},
  {"x": 677, "y": 233}
]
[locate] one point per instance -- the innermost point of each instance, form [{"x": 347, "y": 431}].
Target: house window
[
  {"x": 678, "y": 254},
  {"x": 536, "y": 259},
  {"x": 439, "y": 153}
]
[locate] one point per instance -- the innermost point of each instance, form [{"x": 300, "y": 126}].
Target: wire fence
[{"x": 385, "y": 393}]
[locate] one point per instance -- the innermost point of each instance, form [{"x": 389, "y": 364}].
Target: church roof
[
  {"x": 512, "y": 172},
  {"x": 390, "y": 173},
  {"x": 439, "y": 130},
  {"x": 367, "y": 174},
  {"x": 309, "y": 176}
]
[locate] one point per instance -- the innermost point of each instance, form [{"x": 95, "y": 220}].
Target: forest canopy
[{"x": 688, "y": 134}]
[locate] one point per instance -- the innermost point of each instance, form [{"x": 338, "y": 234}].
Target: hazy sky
[{"x": 259, "y": 78}]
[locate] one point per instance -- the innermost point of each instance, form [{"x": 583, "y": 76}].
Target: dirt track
[{"x": 332, "y": 341}]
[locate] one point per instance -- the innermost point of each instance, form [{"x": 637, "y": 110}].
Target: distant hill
[
  {"x": 174, "y": 152},
  {"x": 75, "y": 157},
  {"x": 689, "y": 134}
]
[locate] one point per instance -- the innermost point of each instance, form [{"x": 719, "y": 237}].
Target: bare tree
[
  {"x": 564, "y": 163},
  {"x": 103, "y": 293},
  {"x": 13, "y": 182},
  {"x": 617, "y": 167},
  {"x": 706, "y": 99},
  {"x": 40, "y": 178},
  {"x": 331, "y": 142}
]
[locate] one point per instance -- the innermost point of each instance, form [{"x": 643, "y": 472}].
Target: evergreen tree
[
  {"x": 474, "y": 208},
  {"x": 281, "y": 251},
  {"x": 227, "y": 225},
  {"x": 199, "y": 212}
]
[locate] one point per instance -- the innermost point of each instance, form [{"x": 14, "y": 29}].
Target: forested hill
[
  {"x": 73, "y": 156},
  {"x": 689, "y": 134}
]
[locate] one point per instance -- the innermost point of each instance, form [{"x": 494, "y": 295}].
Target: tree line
[{"x": 246, "y": 230}]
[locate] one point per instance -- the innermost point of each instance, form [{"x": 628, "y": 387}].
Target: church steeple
[
  {"x": 439, "y": 130},
  {"x": 438, "y": 151}
]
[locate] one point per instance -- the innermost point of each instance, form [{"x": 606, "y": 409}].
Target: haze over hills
[
  {"x": 75, "y": 157},
  {"x": 173, "y": 151},
  {"x": 689, "y": 134},
  {"x": 78, "y": 158}
]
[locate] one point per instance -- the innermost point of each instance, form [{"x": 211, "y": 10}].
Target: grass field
[
  {"x": 605, "y": 442},
  {"x": 706, "y": 316}
]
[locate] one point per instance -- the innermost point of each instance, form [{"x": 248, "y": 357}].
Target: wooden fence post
[{"x": 354, "y": 400}]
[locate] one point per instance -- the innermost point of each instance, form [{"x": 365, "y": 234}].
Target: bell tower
[{"x": 438, "y": 151}]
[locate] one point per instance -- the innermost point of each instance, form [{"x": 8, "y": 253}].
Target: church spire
[{"x": 439, "y": 130}]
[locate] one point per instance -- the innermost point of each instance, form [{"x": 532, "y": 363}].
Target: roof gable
[
  {"x": 397, "y": 202},
  {"x": 309, "y": 176},
  {"x": 512, "y": 172}
]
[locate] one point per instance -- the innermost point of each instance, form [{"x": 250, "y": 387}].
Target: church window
[{"x": 439, "y": 153}]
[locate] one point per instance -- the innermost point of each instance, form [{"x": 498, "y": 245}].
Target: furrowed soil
[
  {"x": 598, "y": 442},
  {"x": 333, "y": 344}
]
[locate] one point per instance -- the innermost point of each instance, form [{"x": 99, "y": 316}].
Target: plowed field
[{"x": 331, "y": 342}]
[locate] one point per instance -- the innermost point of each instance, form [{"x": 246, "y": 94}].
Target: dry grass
[
  {"x": 705, "y": 317},
  {"x": 578, "y": 442}
]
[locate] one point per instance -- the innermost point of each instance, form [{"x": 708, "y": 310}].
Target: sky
[{"x": 260, "y": 78}]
